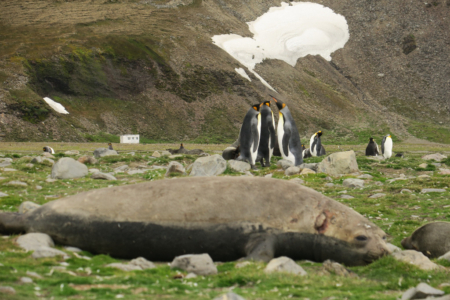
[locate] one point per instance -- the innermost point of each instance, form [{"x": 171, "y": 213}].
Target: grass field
[{"x": 398, "y": 214}]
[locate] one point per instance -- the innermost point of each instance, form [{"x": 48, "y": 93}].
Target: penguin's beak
[{"x": 274, "y": 99}]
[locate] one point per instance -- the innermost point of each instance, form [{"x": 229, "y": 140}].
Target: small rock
[
  {"x": 104, "y": 176},
  {"x": 200, "y": 264},
  {"x": 423, "y": 166},
  {"x": 416, "y": 258},
  {"x": 166, "y": 153},
  {"x": 436, "y": 157},
  {"x": 86, "y": 159},
  {"x": 423, "y": 176},
  {"x": 338, "y": 269},
  {"x": 269, "y": 175},
  {"x": 175, "y": 167},
  {"x": 209, "y": 166},
  {"x": 121, "y": 169},
  {"x": 175, "y": 156},
  {"x": 190, "y": 275},
  {"x": 328, "y": 178},
  {"x": 102, "y": 152},
  {"x": 353, "y": 183},
  {"x": 34, "y": 274},
  {"x": 142, "y": 263},
  {"x": 365, "y": 176},
  {"x": 3, "y": 194},
  {"x": 284, "y": 264},
  {"x": 16, "y": 183},
  {"x": 29, "y": 166},
  {"x": 378, "y": 195},
  {"x": 156, "y": 154},
  {"x": 242, "y": 264},
  {"x": 94, "y": 170},
  {"x": 73, "y": 249},
  {"x": 421, "y": 291},
  {"x": 33, "y": 241},
  {"x": 437, "y": 165},
  {"x": 393, "y": 248},
  {"x": 67, "y": 168},
  {"x": 307, "y": 171},
  {"x": 229, "y": 296},
  {"x": 444, "y": 171},
  {"x": 7, "y": 290},
  {"x": 343, "y": 192},
  {"x": 339, "y": 163},
  {"x": 72, "y": 152},
  {"x": 378, "y": 183},
  {"x": 124, "y": 267},
  {"x": 50, "y": 180},
  {"x": 238, "y": 166},
  {"x": 424, "y": 191},
  {"x": 292, "y": 171},
  {"x": 27, "y": 206},
  {"x": 446, "y": 256},
  {"x": 26, "y": 280},
  {"x": 284, "y": 164},
  {"x": 132, "y": 172},
  {"x": 329, "y": 184},
  {"x": 44, "y": 251},
  {"x": 48, "y": 155},
  {"x": 403, "y": 191},
  {"x": 346, "y": 197}
]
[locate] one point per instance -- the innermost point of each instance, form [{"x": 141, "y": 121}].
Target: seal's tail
[{"x": 12, "y": 223}]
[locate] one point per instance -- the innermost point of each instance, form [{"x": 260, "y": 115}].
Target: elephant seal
[
  {"x": 432, "y": 239},
  {"x": 226, "y": 217}
]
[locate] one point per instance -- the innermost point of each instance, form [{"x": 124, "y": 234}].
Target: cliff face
[{"x": 150, "y": 67}]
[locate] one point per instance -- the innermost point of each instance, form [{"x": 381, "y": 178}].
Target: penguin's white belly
[
  {"x": 254, "y": 153},
  {"x": 387, "y": 148},
  {"x": 280, "y": 132}
]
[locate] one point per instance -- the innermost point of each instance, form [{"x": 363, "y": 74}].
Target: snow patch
[
  {"x": 242, "y": 72},
  {"x": 56, "y": 106},
  {"x": 288, "y": 33}
]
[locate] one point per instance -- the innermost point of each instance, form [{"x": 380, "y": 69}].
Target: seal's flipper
[
  {"x": 12, "y": 223},
  {"x": 261, "y": 248}
]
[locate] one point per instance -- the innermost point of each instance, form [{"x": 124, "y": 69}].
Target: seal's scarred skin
[
  {"x": 226, "y": 217},
  {"x": 432, "y": 239}
]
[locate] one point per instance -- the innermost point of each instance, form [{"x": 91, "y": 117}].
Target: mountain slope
[{"x": 150, "y": 67}]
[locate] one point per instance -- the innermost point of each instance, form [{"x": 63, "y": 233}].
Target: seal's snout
[{"x": 406, "y": 243}]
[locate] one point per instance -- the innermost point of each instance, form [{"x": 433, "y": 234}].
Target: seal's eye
[
  {"x": 361, "y": 238},
  {"x": 384, "y": 238}
]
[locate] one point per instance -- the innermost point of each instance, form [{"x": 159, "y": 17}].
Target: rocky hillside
[{"x": 150, "y": 67}]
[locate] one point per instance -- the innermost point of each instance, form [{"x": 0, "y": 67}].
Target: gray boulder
[
  {"x": 284, "y": 264},
  {"x": 104, "y": 176},
  {"x": 67, "y": 168},
  {"x": 142, "y": 263},
  {"x": 72, "y": 152},
  {"x": 5, "y": 164},
  {"x": 339, "y": 163},
  {"x": 175, "y": 167},
  {"x": 353, "y": 183},
  {"x": 312, "y": 166},
  {"x": 200, "y": 264},
  {"x": 239, "y": 166},
  {"x": 101, "y": 152},
  {"x": 209, "y": 166},
  {"x": 284, "y": 164}
]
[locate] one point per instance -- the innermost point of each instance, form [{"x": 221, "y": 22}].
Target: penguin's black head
[
  {"x": 280, "y": 104},
  {"x": 256, "y": 107},
  {"x": 319, "y": 133},
  {"x": 109, "y": 144},
  {"x": 45, "y": 149},
  {"x": 371, "y": 140},
  {"x": 181, "y": 146}
]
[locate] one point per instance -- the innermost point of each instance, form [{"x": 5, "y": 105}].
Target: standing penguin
[
  {"x": 267, "y": 135},
  {"x": 49, "y": 150},
  {"x": 386, "y": 146},
  {"x": 288, "y": 136},
  {"x": 110, "y": 147},
  {"x": 315, "y": 145},
  {"x": 249, "y": 136},
  {"x": 372, "y": 148}
]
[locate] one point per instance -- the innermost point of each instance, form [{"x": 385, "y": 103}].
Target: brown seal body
[
  {"x": 432, "y": 239},
  {"x": 226, "y": 217}
]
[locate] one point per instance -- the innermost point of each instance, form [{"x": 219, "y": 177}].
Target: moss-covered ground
[{"x": 398, "y": 214}]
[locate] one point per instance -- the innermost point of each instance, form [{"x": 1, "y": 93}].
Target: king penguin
[
  {"x": 249, "y": 136},
  {"x": 386, "y": 146},
  {"x": 372, "y": 148},
  {"x": 315, "y": 145},
  {"x": 288, "y": 136},
  {"x": 49, "y": 150},
  {"x": 267, "y": 135}
]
